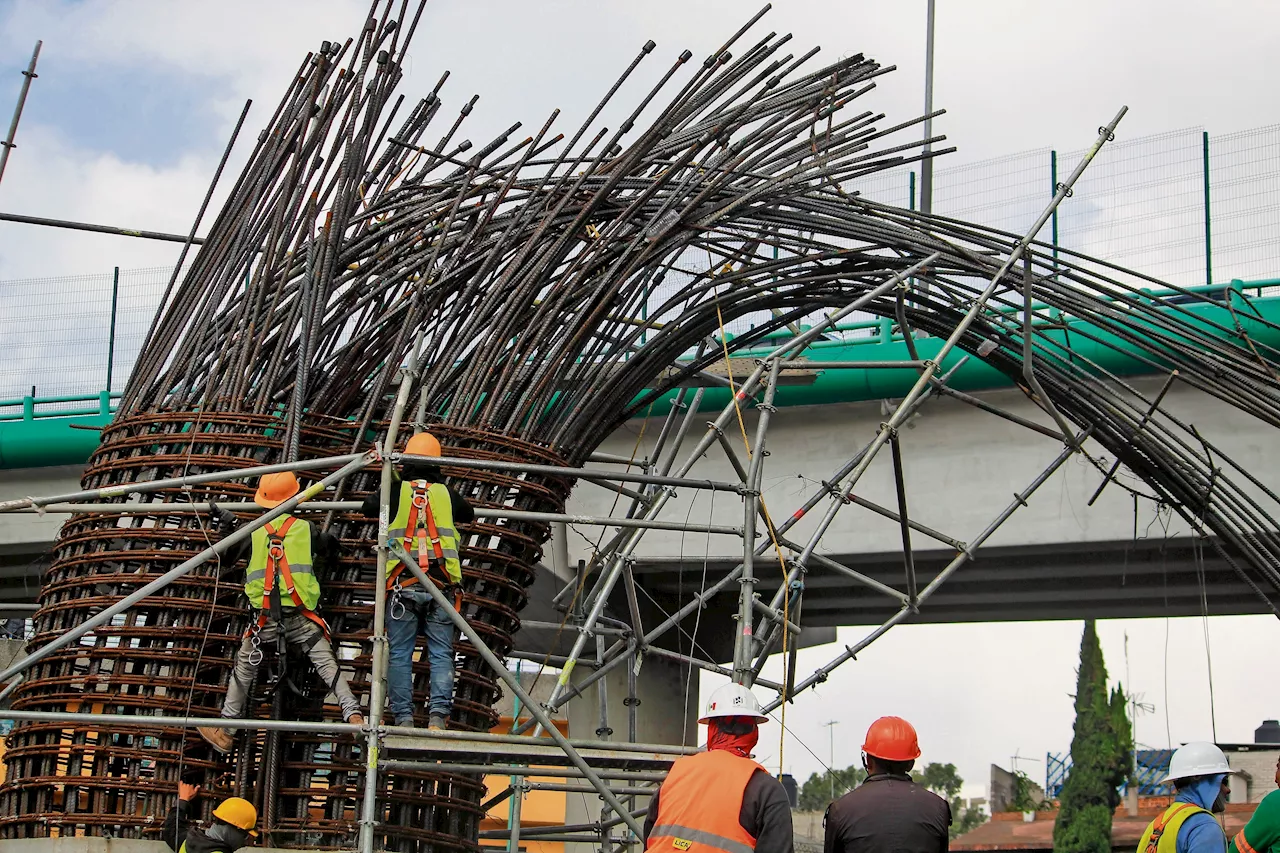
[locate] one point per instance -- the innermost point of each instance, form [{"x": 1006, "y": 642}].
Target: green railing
[{"x": 27, "y": 406}]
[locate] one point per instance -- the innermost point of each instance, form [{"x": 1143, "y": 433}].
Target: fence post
[
  {"x": 911, "y": 189},
  {"x": 111, "y": 339},
  {"x": 1208, "y": 232},
  {"x": 1055, "y": 312},
  {"x": 1053, "y": 191}
]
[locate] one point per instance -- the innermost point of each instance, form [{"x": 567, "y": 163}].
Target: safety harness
[
  {"x": 419, "y": 530},
  {"x": 278, "y": 565}
]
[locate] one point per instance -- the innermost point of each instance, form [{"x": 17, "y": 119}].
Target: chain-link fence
[{"x": 1184, "y": 207}]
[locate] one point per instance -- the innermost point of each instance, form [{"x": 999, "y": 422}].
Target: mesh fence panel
[
  {"x": 1140, "y": 205},
  {"x": 1244, "y": 177},
  {"x": 58, "y": 332}
]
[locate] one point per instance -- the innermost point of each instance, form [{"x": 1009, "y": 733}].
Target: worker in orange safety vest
[{"x": 721, "y": 801}]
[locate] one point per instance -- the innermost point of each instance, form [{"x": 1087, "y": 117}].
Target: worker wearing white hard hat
[
  {"x": 1198, "y": 772},
  {"x": 721, "y": 801}
]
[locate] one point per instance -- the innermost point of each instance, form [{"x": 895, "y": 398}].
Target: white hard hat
[
  {"x": 733, "y": 700},
  {"x": 1198, "y": 758}
]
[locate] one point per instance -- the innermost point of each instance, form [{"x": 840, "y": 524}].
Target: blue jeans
[{"x": 418, "y": 615}]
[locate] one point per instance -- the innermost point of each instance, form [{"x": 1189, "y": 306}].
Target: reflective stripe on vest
[
  {"x": 297, "y": 551},
  {"x": 1162, "y": 834},
  {"x": 699, "y": 805},
  {"x": 437, "y": 497}
]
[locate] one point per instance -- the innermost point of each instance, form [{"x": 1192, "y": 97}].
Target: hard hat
[
  {"x": 423, "y": 444},
  {"x": 275, "y": 489},
  {"x": 892, "y": 739},
  {"x": 733, "y": 700},
  {"x": 1198, "y": 758},
  {"x": 239, "y": 813}
]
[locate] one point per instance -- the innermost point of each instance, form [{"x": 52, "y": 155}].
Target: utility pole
[
  {"x": 926, "y": 164},
  {"x": 831, "y": 766}
]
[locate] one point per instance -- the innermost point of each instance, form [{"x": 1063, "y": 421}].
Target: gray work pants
[{"x": 299, "y": 632}]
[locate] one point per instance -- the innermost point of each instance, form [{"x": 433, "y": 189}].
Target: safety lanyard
[{"x": 278, "y": 562}]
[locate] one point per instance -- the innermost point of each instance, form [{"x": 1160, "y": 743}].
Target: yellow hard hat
[
  {"x": 275, "y": 489},
  {"x": 423, "y": 444},
  {"x": 237, "y": 812}
]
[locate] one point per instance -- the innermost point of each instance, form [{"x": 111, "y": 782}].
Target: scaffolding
[{"x": 622, "y": 770}]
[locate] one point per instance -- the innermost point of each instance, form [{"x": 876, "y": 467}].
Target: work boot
[
  {"x": 404, "y": 723},
  {"x": 219, "y": 739},
  {"x": 356, "y": 719},
  {"x": 437, "y": 722}
]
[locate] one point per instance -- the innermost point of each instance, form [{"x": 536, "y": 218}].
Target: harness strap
[
  {"x": 277, "y": 561},
  {"x": 416, "y": 529}
]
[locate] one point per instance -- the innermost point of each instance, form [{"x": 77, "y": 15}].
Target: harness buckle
[{"x": 397, "y": 601}]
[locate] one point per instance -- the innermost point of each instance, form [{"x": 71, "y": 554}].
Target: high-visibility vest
[
  {"x": 424, "y": 523},
  {"x": 298, "y": 584},
  {"x": 1162, "y": 834},
  {"x": 699, "y": 805}
]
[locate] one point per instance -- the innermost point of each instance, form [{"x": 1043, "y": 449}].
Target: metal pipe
[
  {"x": 354, "y": 506},
  {"x": 173, "y": 574},
  {"x": 926, "y": 163},
  {"x": 1019, "y": 500},
  {"x": 742, "y": 672},
  {"x": 513, "y": 769},
  {"x": 569, "y": 471},
  {"x": 182, "y": 482},
  {"x": 27, "y": 76},
  {"x": 908, "y": 556},
  {"x": 97, "y": 229},
  {"x": 514, "y": 684}
]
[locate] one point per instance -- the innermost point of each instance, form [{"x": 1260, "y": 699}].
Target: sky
[{"x": 135, "y": 101}]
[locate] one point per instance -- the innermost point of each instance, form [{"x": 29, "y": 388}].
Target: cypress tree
[{"x": 1101, "y": 753}]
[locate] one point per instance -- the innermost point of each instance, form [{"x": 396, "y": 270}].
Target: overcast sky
[{"x": 136, "y": 99}]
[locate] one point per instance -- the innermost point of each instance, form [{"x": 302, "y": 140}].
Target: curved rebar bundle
[{"x": 553, "y": 284}]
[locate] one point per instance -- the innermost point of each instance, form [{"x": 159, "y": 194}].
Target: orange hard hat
[
  {"x": 423, "y": 444},
  {"x": 892, "y": 739},
  {"x": 275, "y": 489}
]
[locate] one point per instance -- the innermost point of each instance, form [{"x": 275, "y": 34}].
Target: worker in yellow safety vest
[
  {"x": 721, "y": 801},
  {"x": 423, "y": 518},
  {"x": 233, "y": 822},
  {"x": 281, "y": 585},
  {"x": 1198, "y": 772}
]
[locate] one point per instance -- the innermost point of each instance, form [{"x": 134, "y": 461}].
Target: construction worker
[
  {"x": 423, "y": 515},
  {"x": 283, "y": 592},
  {"x": 720, "y": 801},
  {"x": 233, "y": 822},
  {"x": 1198, "y": 772},
  {"x": 1262, "y": 833},
  {"x": 888, "y": 811}
]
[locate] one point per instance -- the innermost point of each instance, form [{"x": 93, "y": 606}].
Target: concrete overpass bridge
[{"x": 1059, "y": 558}]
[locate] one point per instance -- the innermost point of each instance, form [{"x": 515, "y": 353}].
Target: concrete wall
[
  {"x": 962, "y": 466},
  {"x": 1259, "y": 768},
  {"x": 22, "y": 529}
]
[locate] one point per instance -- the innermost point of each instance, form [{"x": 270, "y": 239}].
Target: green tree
[
  {"x": 943, "y": 780},
  {"x": 815, "y": 793},
  {"x": 1101, "y": 755}
]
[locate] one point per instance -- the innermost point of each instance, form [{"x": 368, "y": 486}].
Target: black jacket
[
  {"x": 178, "y": 828},
  {"x": 765, "y": 814},
  {"x": 887, "y": 814},
  {"x": 462, "y": 511}
]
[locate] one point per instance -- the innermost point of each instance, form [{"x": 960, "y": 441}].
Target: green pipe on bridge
[{"x": 34, "y": 442}]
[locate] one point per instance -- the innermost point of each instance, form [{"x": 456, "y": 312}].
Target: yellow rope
[{"x": 768, "y": 521}]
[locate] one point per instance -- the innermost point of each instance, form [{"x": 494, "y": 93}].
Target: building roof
[{"x": 1007, "y": 831}]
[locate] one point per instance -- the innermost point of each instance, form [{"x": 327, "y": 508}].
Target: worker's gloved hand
[{"x": 220, "y": 520}]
